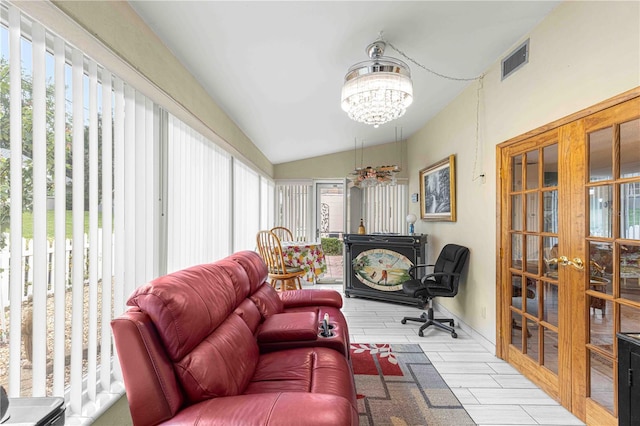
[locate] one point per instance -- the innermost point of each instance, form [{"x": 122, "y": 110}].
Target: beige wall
[
  {"x": 581, "y": 54},
  {"x": 339, "y": 165}
]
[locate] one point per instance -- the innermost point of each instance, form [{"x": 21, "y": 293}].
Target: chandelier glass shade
[{"x": 379, "y": 90}]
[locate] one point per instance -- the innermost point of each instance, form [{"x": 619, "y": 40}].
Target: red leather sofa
[{"x": 214, "y": 344}]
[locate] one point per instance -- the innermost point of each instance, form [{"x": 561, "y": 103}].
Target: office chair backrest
[{"x": 451, "y": 260}]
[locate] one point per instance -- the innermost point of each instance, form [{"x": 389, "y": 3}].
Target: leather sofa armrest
[
  {"x": 287, "y": 327},
  {"x": 270, "y": 409},
  {"x": 319, "y": 297}
]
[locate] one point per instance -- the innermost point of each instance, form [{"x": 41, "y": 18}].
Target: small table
[
  {"x": 308, "y": 256},
  {"x": 40, "y": 411}
]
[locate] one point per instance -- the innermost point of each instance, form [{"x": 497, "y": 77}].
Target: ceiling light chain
[{"x": 410, "y": 59}]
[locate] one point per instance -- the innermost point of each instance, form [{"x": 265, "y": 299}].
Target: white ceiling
[{"x": 277, "y": 68}]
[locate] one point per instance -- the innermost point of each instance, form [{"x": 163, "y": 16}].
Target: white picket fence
[{"x": 27, "y": 266}]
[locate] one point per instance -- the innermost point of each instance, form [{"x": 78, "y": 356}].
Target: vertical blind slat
[
  {"x": 107, "y": 225},
  {"x": 15, "y": 266},
  {"x": 78, "y": 231},
  {"x": 119, "y": 201},
  {"x": 39, "y": 302},
  {"x": 94, "y": 247},
  {"x": 60, "y": 218},
  {"x": 129, "y": 218}
]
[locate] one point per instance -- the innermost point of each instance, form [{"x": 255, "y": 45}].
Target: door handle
[{"x": 576, "y": 262}]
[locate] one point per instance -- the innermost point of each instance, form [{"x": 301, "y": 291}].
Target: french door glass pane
[
  {"x": 532, "y": 169},
  {"x": 516, "y": 251},
  {"x": 630, "y": 210},
  {"x": 630, "y": 149},
  {"x": 516, "y": 212},
  {"x": 516, "y": 330},
  {"x": 532, "y": 212},
  {"x": 550, "y": 165},
  {"x": 516, "y": 182},
  {"x": 531, "y": 301},
  {"x": 550, "y": 305},
  {"x": 601, "y": 380},
  {"x": 600, "y": 211},
  {"x": 601, "y": 324},
  {"x": 630, "y": 272},
  {"x": 550, "y": 342},
  {"x": 601, "y": 267},
  {"x": 600, "y": 162},
  {"x": 550, "y": 251},
  {"x": 533, "y": 244},
  {"x": 629, "y": 319},
  {"x": 533, "y": 345},
  {"x": 550, "y": 211}
]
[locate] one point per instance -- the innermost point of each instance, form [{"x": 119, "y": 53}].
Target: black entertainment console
[{"x": 376, "y": 265}]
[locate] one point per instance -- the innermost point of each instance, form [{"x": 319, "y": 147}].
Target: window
[
  {"x": 77, "y": 217},
  {"x": 385, "y": 208},
  {"x": 198, "y": 198}
]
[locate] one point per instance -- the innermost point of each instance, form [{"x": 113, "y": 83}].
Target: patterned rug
[{"x": 397, "y": 385}]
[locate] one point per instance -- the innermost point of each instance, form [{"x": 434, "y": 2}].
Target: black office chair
[{"x": 442, "y": 282}]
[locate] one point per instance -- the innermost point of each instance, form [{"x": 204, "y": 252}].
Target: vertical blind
[
  {"x": 77, "y": 217},
  {"x": 199, "y": 205},
  {"x": 293, "y": 205},
  {"x": 246, "y": 206},
  {"x": 385, "y": 208}
]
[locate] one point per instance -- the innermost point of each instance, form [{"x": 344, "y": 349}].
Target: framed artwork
[{"x": 438, "y": 191}]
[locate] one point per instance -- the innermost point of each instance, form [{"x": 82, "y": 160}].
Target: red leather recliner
[{"x": 211, "y": 344}]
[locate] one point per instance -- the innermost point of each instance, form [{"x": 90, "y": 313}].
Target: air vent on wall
[{"x": 515, "y": 59}]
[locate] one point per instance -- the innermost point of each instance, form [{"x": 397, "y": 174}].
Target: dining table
[{"x": 307, "y": 255}]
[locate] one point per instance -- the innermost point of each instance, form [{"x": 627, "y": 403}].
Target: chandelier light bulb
[{"x": 379, "y": 90}]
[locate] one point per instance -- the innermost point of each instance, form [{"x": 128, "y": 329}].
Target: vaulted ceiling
[{"x": 277, "y": 68}]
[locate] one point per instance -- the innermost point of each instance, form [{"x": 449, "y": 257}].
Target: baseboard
[{"x": 483, "y": 341}]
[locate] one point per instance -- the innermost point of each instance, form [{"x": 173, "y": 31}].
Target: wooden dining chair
[
  {"x": 270, "y": 250},
  {"x": 283, "y": 233}
]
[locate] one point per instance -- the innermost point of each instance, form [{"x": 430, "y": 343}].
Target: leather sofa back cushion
[
  {"x": 187, "y": 306},
  {"x": 248, "y": 311},
  {"x": 267, "y": 300},
  {"x": 253, "y": 265},
  {"x": 222, "y": 365}
]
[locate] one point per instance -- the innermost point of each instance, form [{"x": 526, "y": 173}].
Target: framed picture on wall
[{"x": 438, "y": 191}]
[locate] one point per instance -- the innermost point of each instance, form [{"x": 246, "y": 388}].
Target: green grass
[{"x": 27, "y": 224}]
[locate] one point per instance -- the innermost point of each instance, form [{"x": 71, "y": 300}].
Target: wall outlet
[{"x": 483, "y": 312}]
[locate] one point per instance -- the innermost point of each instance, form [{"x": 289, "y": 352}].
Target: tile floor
[{"x": 492, "y": 392}]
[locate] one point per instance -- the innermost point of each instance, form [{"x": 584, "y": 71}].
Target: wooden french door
[{"x": 569, "y": 264}]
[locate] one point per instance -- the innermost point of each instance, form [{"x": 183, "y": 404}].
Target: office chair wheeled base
[{"x": 428, "y": 320}]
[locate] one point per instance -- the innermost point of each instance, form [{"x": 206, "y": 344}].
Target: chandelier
[{"x": 379, "y": 90}]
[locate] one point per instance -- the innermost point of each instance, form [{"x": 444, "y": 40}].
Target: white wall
[{"x": 581, "y": 54}]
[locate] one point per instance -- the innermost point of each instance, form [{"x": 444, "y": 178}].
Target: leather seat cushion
[
  {"x": 315, "y": 370},
  {"x": 413, "y": 288}
]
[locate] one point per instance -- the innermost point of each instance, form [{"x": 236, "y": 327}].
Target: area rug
[{"x": 397, "y": 385}]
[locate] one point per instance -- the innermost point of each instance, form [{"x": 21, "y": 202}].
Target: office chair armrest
[
  {"x": 439, "y": 274},
  {"x": 414, "y": 267}
]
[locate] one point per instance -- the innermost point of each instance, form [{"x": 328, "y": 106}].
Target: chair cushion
[
  {"x": 413, "y": 288},
  {"x": 316, "y": 370}
]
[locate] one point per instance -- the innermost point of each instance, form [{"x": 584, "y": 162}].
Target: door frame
[{"x": 567, "y": 394}]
